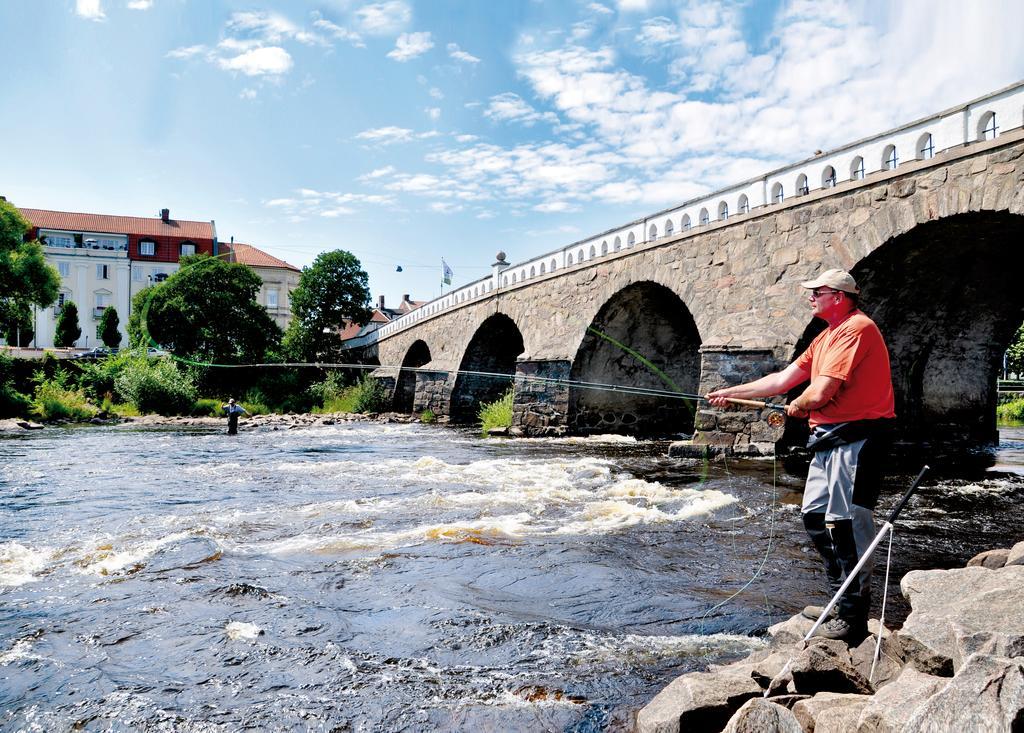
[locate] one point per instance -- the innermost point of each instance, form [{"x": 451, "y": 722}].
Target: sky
[{"x": 409, "y": 131}]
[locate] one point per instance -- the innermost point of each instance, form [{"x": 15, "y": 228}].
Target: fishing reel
[{"x": 776, "y": 418}]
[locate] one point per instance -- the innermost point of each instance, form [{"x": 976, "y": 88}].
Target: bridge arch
[
  {"x": 492, "y": 351},
  {"x": 418, "y": 355},
  {"x": 946, "y": 296},
  {"x": 653, "y": 321}
]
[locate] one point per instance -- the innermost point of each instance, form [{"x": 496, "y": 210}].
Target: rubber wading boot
[{"x": 814, "y": 612}]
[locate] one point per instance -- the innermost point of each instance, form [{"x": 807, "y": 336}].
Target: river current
[{"x": 387, "y": 577}]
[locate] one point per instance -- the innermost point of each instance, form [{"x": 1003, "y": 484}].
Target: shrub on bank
[
  {"x": 156, "y": 386},
  {"x": 497, "y": 414},
  {"x": 367, "y": 395},
  {"x": 427, "y": 417},
  {"x": 12, "y": 402},
  {"x": 56, "y": 399},
  {"x": 1011, "y": 412}
]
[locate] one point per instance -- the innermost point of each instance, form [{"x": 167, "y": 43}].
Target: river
[{"x": 386, "y": 577}]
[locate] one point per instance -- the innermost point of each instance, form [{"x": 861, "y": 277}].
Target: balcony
[{"x": 97, "y": 312}]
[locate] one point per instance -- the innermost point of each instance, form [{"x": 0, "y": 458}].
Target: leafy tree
[
  {"x": 206, "y": 311},
  {"x": 107, "y": 330},
  {"x": 18, "y": 327},
  {"x": 331, "y": 291},
  {"x": 67, "y": 331},
  {"x": 1015, "y": 354},
  {"x": 25, "y": 276}
]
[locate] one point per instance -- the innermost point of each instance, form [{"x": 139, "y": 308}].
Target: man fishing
[
  {"x": 233, "y": 410},
  {"x": 849, "y": 406}
]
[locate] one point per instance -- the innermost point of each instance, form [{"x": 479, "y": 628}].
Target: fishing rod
[
  {"x": 887, "y": 528},
  {"x": 778, "y": 410}
]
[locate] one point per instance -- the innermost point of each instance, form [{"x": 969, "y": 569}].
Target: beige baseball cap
[{"x": 835, "y": 279}]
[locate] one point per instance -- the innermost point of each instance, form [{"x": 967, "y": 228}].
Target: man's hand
[
  {"x": 794, "y": 411},
  {"x": 719, "y": 398}
]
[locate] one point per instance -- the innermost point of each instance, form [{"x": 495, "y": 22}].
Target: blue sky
[{"x": 410, "y": 131}]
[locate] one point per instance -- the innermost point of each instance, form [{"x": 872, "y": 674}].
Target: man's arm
[
  {"x": 819, "y": 393},
  {"x": 773, "y": 384}
]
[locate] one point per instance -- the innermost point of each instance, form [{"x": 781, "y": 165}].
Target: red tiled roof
[
  {"x": 350, "y": 331},
  {"x": 246, "y": 254},
  {"x": 108, "y": 224}
]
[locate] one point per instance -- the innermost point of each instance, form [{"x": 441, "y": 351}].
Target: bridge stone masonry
[{"x": 936, "y": 242}]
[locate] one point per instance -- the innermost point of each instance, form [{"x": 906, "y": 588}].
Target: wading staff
[{"x": 852, "y": 575}]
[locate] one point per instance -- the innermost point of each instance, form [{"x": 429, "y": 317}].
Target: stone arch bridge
[{"x": 937, "y": 244}]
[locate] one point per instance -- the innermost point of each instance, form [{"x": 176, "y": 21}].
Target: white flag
[{"x": 446, "y": 273}]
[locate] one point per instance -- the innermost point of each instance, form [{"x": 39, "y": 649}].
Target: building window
[
  {"x": 64, "y": 268},
  {"x": 685, "y": 223},
  {"x": 553, "y": 265},
  {"x": 569, "y": 261},
  {"x": 618, "y": 245},
  {"x": 593, "y": 252},
  {"x": 802, "y": 189},
  {"x": 670, "y": 228},
  {"x": 925, "y": 147},
  {"x": 723, "y": 211},
  {"x": 857, "y": 169},
  {"x": 147, "y": 247},
  {"x": 102, "y": 302},
  {"x": 653, "y": 234},
  {"x": 631, "y": 240},
  {"x": 102, "y": 272},
  {"x": 187, "y": 248},
  {"x": 54, "y": 240},
  {"x": 828, "y": 177},
  {"x": 705, "y": 218},
  {"x": 743, "y": 207},
  {"x": 271, "y": 299},
  {"x": 604, "y": 247},
  {"x": 988, "y": 128},
  {"x": 137, "y": 274},
  {"x": 777, "y": 194},
  {"x": 889, "y": 158}
]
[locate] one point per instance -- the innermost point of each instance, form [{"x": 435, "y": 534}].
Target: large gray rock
[
  {"x": 697, "y": 701},
  {"x": 825, "y": 666},
  {"x": 839, "y": 720},
  {"x": 891, "y": 707},
  {"x": 1016, "y": 556},
  {"x": 991, "y": 559},
  {"x": 807, "y": 711},
  {"x": 790, "y": 631},
  {"x": 960, "y": 612},
  {"x": 759, "y": 715},
  {"x": 890, "y": 659},
  {"x": 987, "y": 694}
]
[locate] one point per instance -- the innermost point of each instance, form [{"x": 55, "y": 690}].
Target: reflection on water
[{"x": 381, "y": 577}]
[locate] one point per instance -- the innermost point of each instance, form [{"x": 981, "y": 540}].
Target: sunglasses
[{"x": 819, "y": 293}]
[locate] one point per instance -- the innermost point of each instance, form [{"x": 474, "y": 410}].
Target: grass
[
  {"x": 1011, "y": 412},
  {"x": 497, "y": 414},
  {"x": 54, "y": 401},
  {"x": 366, "y": 395}
]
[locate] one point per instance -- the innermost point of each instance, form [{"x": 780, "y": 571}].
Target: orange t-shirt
[{"x": 854, "y": 352}]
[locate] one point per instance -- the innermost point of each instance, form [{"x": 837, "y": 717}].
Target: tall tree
[
  {"x": 206, "y": 311},
  {"x": 25, "y": 277},
  {"x": 331, "y": 291},
  {"x": 108, "y": 331},
  {"x": 67, "y": 331}
]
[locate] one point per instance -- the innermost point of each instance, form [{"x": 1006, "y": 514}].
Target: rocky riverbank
[
  {"x": 957, "y": 664},
  {"x": 287, "y": 421}
]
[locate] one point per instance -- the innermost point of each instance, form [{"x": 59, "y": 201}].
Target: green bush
[
  {"x": 99, "y": 377},
  {"x": 367, "y": 395},
  {"x": 1011, "y": 412},
  {"x": 207, "y": 407},
  {"x": 55, "y": 399},
  {"x": 497, "y": 414},
  {"x": 156, "y": 386},
  {"x": 428, "y": 416},
  {"x": 12, "y": 402}
]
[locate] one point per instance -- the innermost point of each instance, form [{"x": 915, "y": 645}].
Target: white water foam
[
  {"x": 242, "y": 630},
  {"x": 103, "y": 559},
  {"x": 20, "y": 564}
]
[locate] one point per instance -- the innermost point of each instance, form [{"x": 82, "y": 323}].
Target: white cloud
[
  {"x": 555, "y": 207},
  {"x": 410, "y": 45},
  {"x": 337, "y": 211},
  {"x": 459, "y": 55},
  {"x": 140, "y": 4},
  {"x": 433, "y": 113},
  {"x": 247, "y": 93},
  {"x": 325, "y": 204},
  {"x": 511, "y": 107},
  {"x": 377, "y": 173},
  {"x": 387, "y": 18},
  {"x": 267, "y": 61},
  {"x": 445, "y": 207},
  {"x": 271, "y": 27},
  {"x": 90, "y": 9},
  {"x": 186, "y": 52},
  {"x": 386, "y": 135},
  {"x": 600, "y": 9},
  {"x": 632, "y": 6},
  {"x": 337, "y": 31},
  {"x": 436, "y": 93},
  {"x": 658, "y": 31}
]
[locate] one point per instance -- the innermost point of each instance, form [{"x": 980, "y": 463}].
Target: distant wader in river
[{"x": 233, "y": 410}]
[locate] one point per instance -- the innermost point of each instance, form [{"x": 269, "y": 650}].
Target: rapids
[{"x": 378, "y": 577}]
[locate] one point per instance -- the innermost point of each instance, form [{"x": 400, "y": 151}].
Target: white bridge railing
[{"x": 978, "y": 120}]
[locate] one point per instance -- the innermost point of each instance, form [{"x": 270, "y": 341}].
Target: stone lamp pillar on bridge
[{"x": 498, "y": 267}]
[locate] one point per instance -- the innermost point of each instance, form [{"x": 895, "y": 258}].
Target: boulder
[
  {"x": 28, "y": 425},
  {"x": 991, "y": 559},
  {"x": 959, "y": 612},
  {"x": 696, "y": 701},
  {"x": 807, "y": 711},
  {"x": 790, "y": 631},
  {"x": 825, "y": 666},
  {"x": 890, "y": 659},
  {"x": 987, "y": 694},
  {"x": 892, "y": 706},
  {"x": 759, "y": 715},
  {"x": 840, "y": 719},
  {"x": 1016, "y": 555}
]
